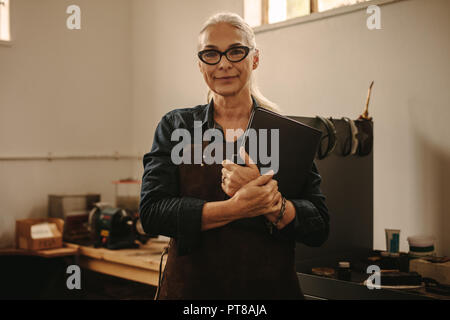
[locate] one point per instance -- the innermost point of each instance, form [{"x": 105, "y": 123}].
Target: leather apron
[{"x": 240, "y": 260}]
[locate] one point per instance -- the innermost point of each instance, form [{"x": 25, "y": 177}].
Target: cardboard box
[{"x": 38, "y": 234}]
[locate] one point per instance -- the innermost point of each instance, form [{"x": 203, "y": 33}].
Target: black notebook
[{"x": 297, "y": 147}]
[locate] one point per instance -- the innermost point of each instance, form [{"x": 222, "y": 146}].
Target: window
[
  {"x": 4, "y": 21},
  {"x": 259, "y": 12}
]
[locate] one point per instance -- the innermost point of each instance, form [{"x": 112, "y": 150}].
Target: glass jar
[{"x": 344, "y": 272}]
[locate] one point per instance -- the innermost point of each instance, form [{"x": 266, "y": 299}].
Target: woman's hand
[
  {"x": 235, "y": 176},
  {"x": 259, "y": 196}
]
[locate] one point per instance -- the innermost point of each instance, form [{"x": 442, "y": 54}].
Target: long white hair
[{"x": 249, "y": 36}]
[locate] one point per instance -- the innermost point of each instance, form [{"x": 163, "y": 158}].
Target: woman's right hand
[{"x": 259, "y": 196}]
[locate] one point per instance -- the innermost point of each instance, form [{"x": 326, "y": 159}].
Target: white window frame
[
  {"x": 5, "y": 22},
  {"x": 314, "y": 15}
]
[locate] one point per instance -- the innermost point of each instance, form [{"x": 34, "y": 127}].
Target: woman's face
[{"x": 226, "y": 78}]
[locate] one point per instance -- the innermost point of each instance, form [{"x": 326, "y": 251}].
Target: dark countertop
[{"x": 320, "y": 287}]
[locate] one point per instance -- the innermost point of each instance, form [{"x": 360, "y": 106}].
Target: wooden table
[
  {"x": 141, "y": 265},
  {"x": 48, "y": 253}
]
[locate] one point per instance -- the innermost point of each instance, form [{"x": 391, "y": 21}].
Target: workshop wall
[
  {"x": 325, "y": 67},
  {"x": 105, "y": 87},
  {"x": 165, "y": 72},
  {"x": 66, "y": 92}
]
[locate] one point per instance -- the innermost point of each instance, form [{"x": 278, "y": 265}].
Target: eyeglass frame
[{"x": 224, "y": 53}]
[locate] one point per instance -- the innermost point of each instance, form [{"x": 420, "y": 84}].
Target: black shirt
[{"x": 163, "y": 211}]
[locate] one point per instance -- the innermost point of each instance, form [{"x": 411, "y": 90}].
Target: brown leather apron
[{"x": 240, "y": 260}]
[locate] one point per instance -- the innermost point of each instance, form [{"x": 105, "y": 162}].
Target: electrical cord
[{"x": 165, "y": 251}]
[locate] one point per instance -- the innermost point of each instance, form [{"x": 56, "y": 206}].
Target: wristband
[{"x": 282, "y": 211}]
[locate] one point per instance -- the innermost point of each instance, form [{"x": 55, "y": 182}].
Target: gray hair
[{"x": 249, "y": 36}]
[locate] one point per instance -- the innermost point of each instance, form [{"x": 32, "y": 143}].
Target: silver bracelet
[{"x": 282, "y": 211}]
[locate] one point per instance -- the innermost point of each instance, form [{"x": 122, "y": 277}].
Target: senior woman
[{"x": 232, "y": 233}]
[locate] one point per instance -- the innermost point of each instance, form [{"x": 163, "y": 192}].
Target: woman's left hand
[{"x": 235, "y": 176}]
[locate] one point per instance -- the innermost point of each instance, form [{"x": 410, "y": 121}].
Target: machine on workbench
[{"x": 115, "y": 228}]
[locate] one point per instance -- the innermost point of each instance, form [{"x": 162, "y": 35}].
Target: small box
[{"x": 38, "y": 234}]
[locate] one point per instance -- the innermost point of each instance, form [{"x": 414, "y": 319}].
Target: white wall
[
  {"x": 165, "y": 71},
  {"x": 325, "y": 67},
  {"x": 97, "y": 90},
  {"x": 65, "y": 92}
]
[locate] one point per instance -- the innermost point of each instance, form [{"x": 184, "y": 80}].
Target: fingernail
[{"x": 269, "y": 173}]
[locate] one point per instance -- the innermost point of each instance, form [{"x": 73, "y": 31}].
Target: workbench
[{"x": 140, "y": 265}]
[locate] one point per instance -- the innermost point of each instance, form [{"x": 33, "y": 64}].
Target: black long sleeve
[{"x": 311, "y": 224}]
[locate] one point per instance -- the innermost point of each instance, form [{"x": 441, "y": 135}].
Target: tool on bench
[{"x": 115, "y": 228}]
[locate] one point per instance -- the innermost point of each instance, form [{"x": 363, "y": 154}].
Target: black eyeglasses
[{"x": 234, "y": 54}]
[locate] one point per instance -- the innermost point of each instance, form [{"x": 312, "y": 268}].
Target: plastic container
[
  {"x": 420, "y": 246},
  {"x": 392, "y": 240}
]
